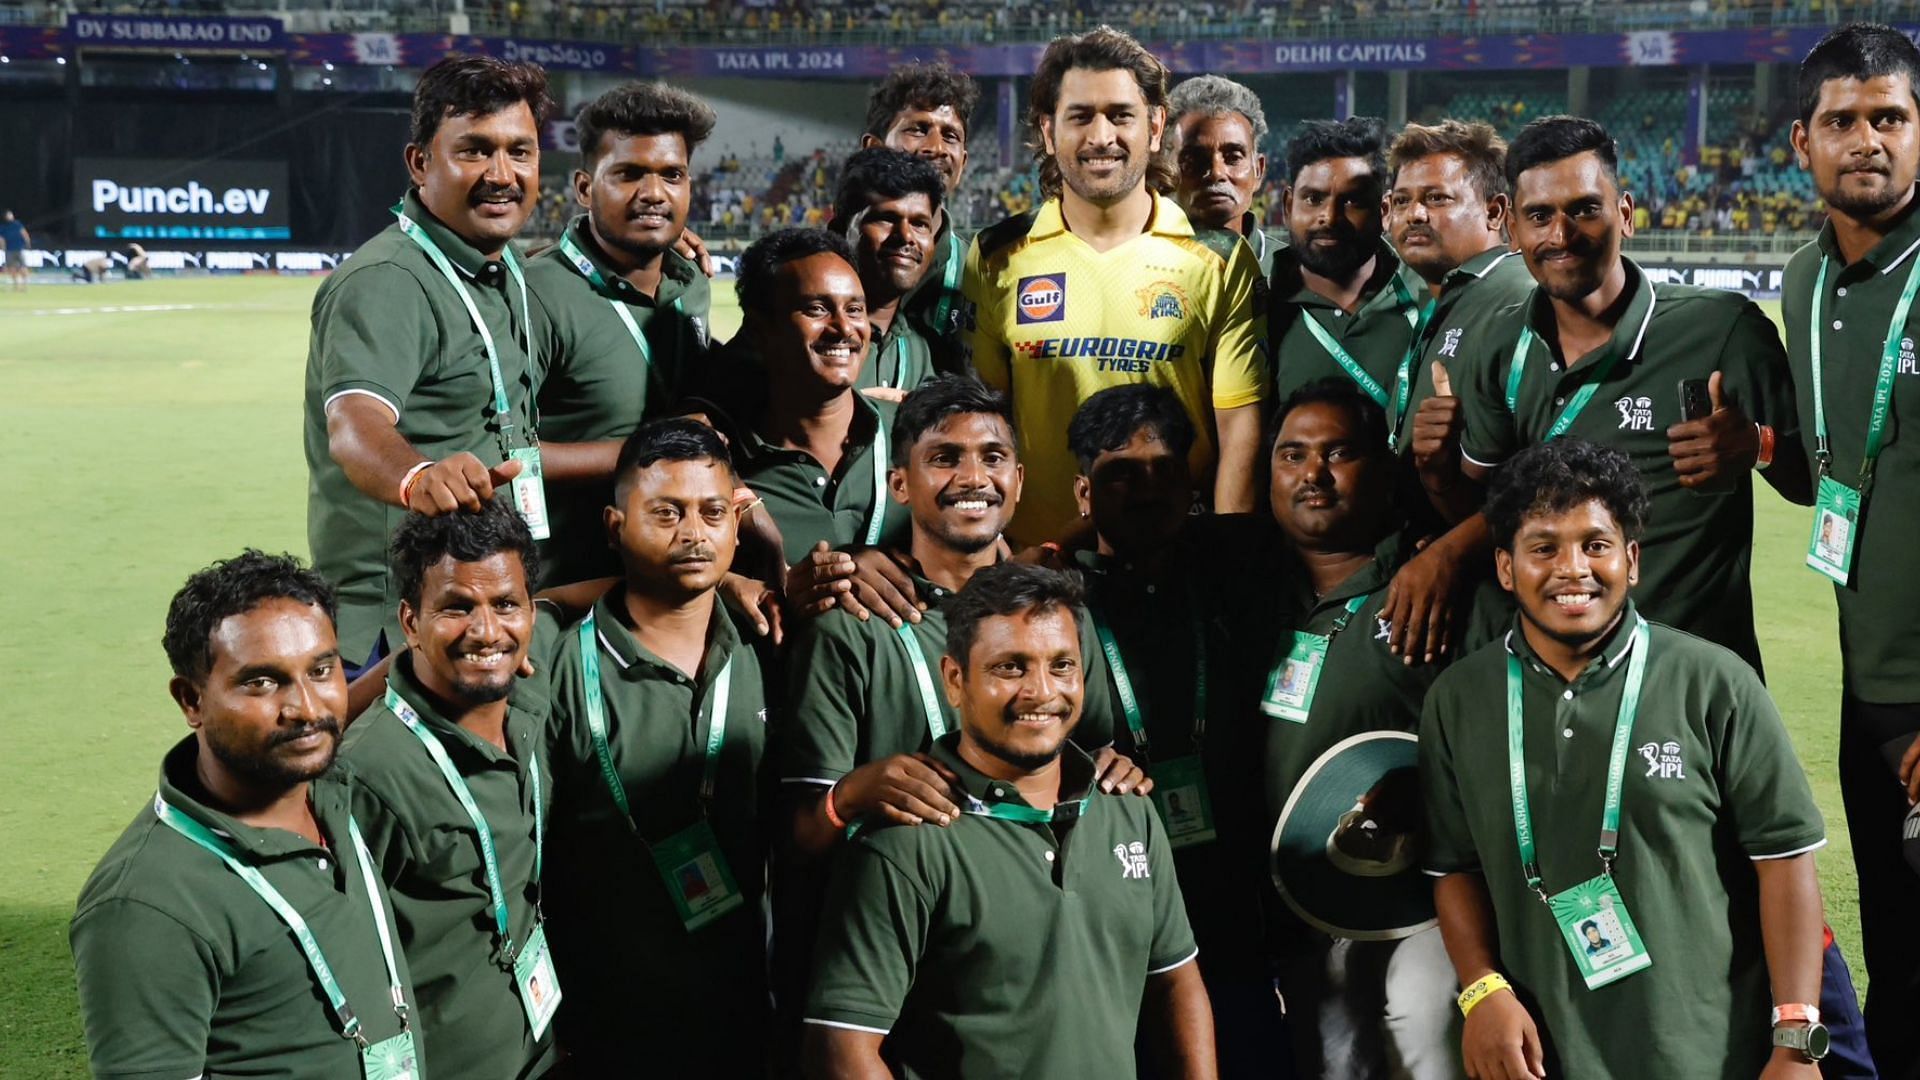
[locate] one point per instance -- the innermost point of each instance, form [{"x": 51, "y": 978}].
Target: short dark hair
[
  {"x": 1356, "y": 136},
  {"x": 1101, "y": 49},
  {"x": 234, "y": 587},
  {"x": 1008, "y": 588},
  {"x": 1557, "y": 138},
  {"x": 675, "y": 439},
  {"x": 476, "y": 86},
  {"x": 1340, "y": 391},
  {"x": 765, "y": 256},
  {"x": 1109, "y": 419},
  {"x": 887, "y": 173},
  {"x": 921, "y": 86},
  {"x": 1861, "y": 51},
  {"x": 1477, "y": 145},
  {"x": 1554, "y": 477},
  {"x": 641, "y": 108},
  {"x": 937, "y": 400},
  {"x": 466, "y": 535}
]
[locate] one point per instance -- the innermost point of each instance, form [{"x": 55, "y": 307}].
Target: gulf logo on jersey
[{"x": 1042, "y": 299}]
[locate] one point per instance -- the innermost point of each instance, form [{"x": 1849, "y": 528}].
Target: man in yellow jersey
[{"x": 1106, "y": 284}]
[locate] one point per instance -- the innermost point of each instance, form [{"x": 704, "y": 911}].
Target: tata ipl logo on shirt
[
  {"x": 1042, "y": 298},
  {"x": 1663, "y": 761},
  {"x": 1133, "y": 860},
  {"x": 1636, "y": 413},
  {"x": 1450, "y": 344},
  {"x": 1907, "y": 365}
]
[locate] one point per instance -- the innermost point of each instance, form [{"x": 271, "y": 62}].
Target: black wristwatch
[{"x": 1811, "y": 1040}]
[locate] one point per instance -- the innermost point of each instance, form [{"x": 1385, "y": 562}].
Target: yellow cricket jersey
[{"x": 1052, "y": 322}]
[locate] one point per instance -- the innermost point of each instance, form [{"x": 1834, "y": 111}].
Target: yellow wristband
[{"x": 1483, "y": 988}]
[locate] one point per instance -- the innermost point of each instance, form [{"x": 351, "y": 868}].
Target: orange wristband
[
  {"x": 406, "y": 484},
  {"x": 833, "y": 818},
  {"x": 1765, "y": 457}
]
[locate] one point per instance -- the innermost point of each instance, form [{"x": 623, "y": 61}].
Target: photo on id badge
[
  {"x": 1183, "y": 810},
  {"x": 1598, "y": 932},
  {"x": 700, "y": 883},
  {"x": 1830, "y": 545}
]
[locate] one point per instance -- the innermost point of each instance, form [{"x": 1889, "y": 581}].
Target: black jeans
[{"x": 1871, "y": 740}]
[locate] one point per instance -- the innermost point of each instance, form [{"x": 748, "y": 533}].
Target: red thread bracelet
[{"x": 833, "y": 819}]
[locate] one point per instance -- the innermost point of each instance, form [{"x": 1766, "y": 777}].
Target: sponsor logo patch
[
  {"x": 1042, "y": 298},
  {"x": 1162, "y": 300}
]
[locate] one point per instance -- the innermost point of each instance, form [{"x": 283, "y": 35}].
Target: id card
[
  {"x": 1290, "y": 685},
  {"x": 391, "y": 1059},
  {"x": 1594, "y": 921},
  {"x": 539, "y": 986},
  {"x": 1836, "y": 516},
  {"x": 530, "y": 491},
  {"x": 1180, "y": 791},
  {"x": 696, "y": 873}
]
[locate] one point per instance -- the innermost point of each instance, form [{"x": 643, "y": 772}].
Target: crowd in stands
[
  {"x": 1742, "y": 180},
  {"x": 657, "y": 21}
]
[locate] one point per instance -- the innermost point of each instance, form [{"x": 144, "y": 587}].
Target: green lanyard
[
  {"x": 597, "y": 724},
  {"x": 1130, "y": 702},
  {"x": 1028, "y": 815},
  {"x": 1616, "y": 762},
  {"x": 899, "y": 365},
  {"x": 411, "y": 719},
  {"x": 592, "y": 273},
  {"x": 343, "y": 1012},
  {"x": 1882, "y": 386},
  {"x": 936, "y": 723},
  {"x": 501, "y": 406},
  {"x": 1417, "y": 315},
  {"x": 1353, "y": 608},
  {"x": 877, "y": 516},
  {"x": 1580, "y": 397},
  {"x": 950, "y": 283}
]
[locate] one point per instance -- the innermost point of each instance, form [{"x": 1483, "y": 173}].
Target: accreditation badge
[
  {"x": 1292, "y": 682},
  {"x": 696, "y": 873},
  {"x": 530, "y": 491},
  {"x": 1836, "y": 520},
  {"x": 1180, "y": 791},
  {"x": 1594, "y": 921},
  {"x": 391, "y": 1059},
  {"x": 539, "y": 986}
]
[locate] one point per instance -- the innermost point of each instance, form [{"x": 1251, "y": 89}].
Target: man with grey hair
[{"x": 1218, "y": 126}]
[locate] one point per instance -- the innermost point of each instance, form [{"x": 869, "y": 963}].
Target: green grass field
[{"x": 149, "y": 442}]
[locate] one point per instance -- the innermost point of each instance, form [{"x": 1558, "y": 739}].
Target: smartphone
[{"x": 1695, "y": 401}]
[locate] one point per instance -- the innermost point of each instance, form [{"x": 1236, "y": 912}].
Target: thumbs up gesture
[
  {"x": 1436, "y": 434},
  {"x": 1710, "y": 453}
]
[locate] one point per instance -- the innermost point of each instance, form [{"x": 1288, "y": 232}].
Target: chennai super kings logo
[{"x": 1162, "y": 300}]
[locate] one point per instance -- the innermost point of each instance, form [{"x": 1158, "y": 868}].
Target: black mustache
[{"x": 328, "y": 724}]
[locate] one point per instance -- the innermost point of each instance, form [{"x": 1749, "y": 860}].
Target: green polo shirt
[
  {"x": 808, "y": 503},
  {"x": 387, "y": 324},
  {"x": 854, "y": 696},
  {"x": 470, "y": 1012},
  {"x": 997, "y": 949},
  {"x": 594, "y": 382},
  {"x": 933, "y": 307},
  {"x": 1880, "y": 653},
  {"x": 1695, "y": 556},
  {"x": 901, "y": 357},
  {"x": 1376, "y": 336},
  {"x": 1163, "y": 623},
  {"x": 1267, "y": 244},
  {"x": 1711, "y": 785},
  {"x": 1475, "y": 302},
  {"x": 615, "y": 931},
  {"x": 185, "y": 971}
]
